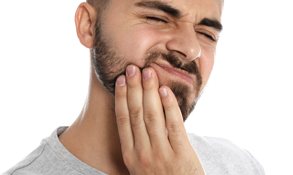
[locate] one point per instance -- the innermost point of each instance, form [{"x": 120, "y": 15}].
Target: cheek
[
  {"x": 134, "y": 43},
  {"x": 138, "y": 44}
]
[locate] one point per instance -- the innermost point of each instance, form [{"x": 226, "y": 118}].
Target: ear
[{"x": 85, "y": 19}]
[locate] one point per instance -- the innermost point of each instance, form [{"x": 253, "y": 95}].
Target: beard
[{"x": 104, "y": 57}]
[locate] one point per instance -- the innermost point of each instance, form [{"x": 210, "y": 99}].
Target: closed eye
[
  {"x": 156, "y": 19},
  {"x": 210, "y": 37}
]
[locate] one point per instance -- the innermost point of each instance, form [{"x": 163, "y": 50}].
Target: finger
[
  {"x": 135, "y": 106},
  {"x": 153, "y": 110},
  {"x": 122, "y": 115},
  {"x": 174, "y": 121}
]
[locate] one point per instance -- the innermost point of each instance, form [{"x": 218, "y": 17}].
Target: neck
[{"x": 93, "y": 137}]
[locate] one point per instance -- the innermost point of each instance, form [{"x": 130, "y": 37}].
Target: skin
[{"x": 139, "y": 129}]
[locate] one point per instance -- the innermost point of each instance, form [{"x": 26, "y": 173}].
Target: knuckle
[
  {"x": 136, "y": 125},
  {"x": 122, "y": 120},
  {"x": 144, "y": 159},
  {"x": 173, "y": 127},
  {"x": 135, "y": 112},
  {"x": 150, "y": 117},
  {"x": 136, "y": 121},
  {"x": 136, "y": 116}
]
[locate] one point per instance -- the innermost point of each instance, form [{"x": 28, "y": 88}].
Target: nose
[{"x": 185, "y": 43}]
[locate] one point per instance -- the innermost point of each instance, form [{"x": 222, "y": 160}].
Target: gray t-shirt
[{"x": 218, "y": 157}]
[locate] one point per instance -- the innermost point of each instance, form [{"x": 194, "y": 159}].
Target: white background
[{"x": 44, "y": 77}]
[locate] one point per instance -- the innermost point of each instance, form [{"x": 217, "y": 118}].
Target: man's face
[{"x": 177, "y": 38}]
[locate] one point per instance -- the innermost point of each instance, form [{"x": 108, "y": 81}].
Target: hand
[{"x": 150, "y": 125}]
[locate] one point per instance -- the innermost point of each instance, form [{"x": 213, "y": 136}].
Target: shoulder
[
  {"x": 38, "y": 161},
  {"x": 25, "y": 165},
  {"x": 221, "y": 155}
]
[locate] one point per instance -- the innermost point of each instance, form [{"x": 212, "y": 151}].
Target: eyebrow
[
  {"x": 157, "y": 5},
  {"x": 211, "y": 23}
]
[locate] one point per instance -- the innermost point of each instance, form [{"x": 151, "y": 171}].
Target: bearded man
[{"x": 150, "y": 61}]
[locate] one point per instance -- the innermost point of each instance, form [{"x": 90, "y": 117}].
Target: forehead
[{"x": 193, "y": 9}]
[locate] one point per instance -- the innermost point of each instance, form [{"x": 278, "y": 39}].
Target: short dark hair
[{"x": 98, "y": 3}]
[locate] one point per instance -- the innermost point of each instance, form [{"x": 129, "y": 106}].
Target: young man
[{"x": 150, "y": 61}]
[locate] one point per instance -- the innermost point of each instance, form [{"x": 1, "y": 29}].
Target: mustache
[
  {"x": 191, "y": 67},
  {"x": 176, "y": 62}
]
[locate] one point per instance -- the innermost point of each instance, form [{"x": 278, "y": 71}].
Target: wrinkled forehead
[{"x": 193, "y": 8}]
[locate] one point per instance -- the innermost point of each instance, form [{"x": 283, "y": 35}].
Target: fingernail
[
  {"x": 163, "y": 91},
  {"x": 146, "y": 74},
  {"x": 130, "y": 71},
  {"x": 120, "y": 81}
]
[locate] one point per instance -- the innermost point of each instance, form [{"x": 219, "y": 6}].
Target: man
[{"x": 150, "y": 61}]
